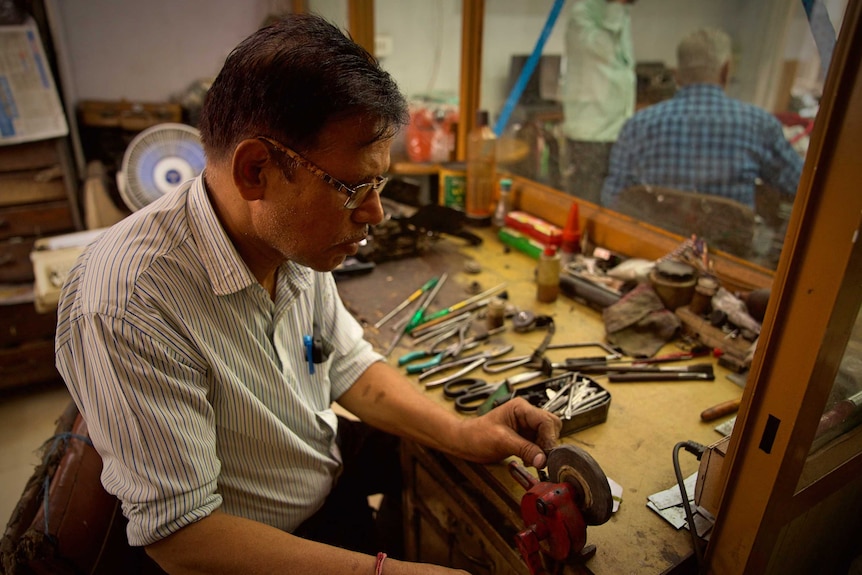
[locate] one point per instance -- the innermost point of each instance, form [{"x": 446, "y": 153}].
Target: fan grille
[{"x": 158, "y": 160}]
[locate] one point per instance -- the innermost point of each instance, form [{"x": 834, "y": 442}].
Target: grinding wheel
[{"x": 572, "y": 465}]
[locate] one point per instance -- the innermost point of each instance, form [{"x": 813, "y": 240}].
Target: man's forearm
[
  {"x": 385, "y": 399},
  {"x": 222, "y": 544}
]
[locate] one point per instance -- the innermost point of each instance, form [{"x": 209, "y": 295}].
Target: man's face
[{"x": 304, "y": 219}]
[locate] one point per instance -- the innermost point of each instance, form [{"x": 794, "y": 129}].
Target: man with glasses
[{"x": 181, "y": 330}]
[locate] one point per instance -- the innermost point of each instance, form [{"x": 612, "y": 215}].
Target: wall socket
[{"x": 382, "y": 46}]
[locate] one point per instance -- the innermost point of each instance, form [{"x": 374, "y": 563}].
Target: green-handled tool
[
  {"x": 417, "y": 316},
  {"x": 410, "y": 299},
  {"x": 427, "y": 321}
]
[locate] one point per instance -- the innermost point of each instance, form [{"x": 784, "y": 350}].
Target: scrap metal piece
[{"x": 573, "y": 465}]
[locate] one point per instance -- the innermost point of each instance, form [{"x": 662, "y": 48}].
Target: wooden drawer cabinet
[
  {"x": 454, "y": 519},
  {"x": 29, "y": 363},
  {"x": 20, "y": 227},
  {"x": 15, "y": 266},
  {"x": 446, "y": 526},
  {"x": 36, "y": 220},
  {"x": 38, "y": 198},
  {"x": 21, "y": 323}
]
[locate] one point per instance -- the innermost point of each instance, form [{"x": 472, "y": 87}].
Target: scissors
[
  {"x": 536, "y": 360},
  {"x": 470, "y": 362},
  {"x": 471, "y": 394}
]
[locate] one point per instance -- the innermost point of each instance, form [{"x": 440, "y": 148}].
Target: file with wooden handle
[{"x": 720, "y": 410}]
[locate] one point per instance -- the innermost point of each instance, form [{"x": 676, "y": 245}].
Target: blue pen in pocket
[{"x": 308, "y": 342}]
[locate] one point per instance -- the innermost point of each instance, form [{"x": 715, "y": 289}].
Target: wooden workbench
[{"x": 634, "y": 446}]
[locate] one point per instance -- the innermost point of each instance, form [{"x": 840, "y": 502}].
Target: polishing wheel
[{"x": 572, "y": 465}]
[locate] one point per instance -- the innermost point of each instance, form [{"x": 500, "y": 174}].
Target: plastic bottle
[
  {"x": 504, "y": 204},
  {"x": 571, "y": 244},
  {"x": 481, "y": 171},
  {"x": 548, "y": 276}
]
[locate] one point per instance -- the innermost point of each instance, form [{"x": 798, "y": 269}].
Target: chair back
[{"x": 725, "y": 224}]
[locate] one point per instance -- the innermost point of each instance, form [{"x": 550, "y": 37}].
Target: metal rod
[
  {"x": 420, "y": 313},
  {"x": 410, "y": 299},
  {"x": 462, "y": 304},
  {"x": 417, "y": 317}
]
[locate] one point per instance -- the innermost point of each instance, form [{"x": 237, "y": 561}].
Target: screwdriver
[
  {"x": 420, "y": 313},
  {"x": 417, "y": 317},
  {"x": 461, "y": 305},
  {"x": 410, "y": 299}
]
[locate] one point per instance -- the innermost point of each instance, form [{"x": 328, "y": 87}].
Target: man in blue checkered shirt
[{"x": 702, "y": 140}]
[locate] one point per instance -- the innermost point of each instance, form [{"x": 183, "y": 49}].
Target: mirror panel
[{"x": 775, "y": 65}]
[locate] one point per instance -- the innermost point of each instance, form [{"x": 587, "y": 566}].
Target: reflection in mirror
[
  {"x": 712, "y": 145},
  {"x": 844, "y": 407},
  {"x": 774, "y": 65}
]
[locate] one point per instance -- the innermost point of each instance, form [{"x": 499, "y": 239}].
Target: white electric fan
[{"x": 158, "y": 160}]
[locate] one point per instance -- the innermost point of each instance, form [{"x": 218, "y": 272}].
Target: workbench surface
[{"x": 634, "y": 446}]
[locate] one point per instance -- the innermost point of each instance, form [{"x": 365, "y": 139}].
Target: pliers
[
  {"x": 437, "y": 356},
  {"x": 453, "y": 350}
]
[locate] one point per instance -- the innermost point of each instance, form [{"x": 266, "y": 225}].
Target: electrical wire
[{"x": 697, "y": 450}]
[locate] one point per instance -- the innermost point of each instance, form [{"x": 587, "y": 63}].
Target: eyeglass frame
[{"x": 355, "y": 195}]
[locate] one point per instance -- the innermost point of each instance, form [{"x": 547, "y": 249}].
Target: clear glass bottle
[{"x": 481, "y": 171}]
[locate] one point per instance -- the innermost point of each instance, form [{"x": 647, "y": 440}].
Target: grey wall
[{"x": 153, "y": 50}]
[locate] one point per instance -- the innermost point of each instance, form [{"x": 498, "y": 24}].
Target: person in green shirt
[{"x": 599, "y": 91}]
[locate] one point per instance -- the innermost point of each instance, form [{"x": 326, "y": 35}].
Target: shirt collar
[
  {"x": 700, "y": 89},
  {"x": 227, "y": 271}
]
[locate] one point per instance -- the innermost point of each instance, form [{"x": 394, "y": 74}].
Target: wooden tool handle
[{"x": 720, "y": 410}]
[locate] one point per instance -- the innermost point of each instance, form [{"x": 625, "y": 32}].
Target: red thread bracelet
[{"x": 380, "y": 558}]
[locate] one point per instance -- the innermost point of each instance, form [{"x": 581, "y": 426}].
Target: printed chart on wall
[{"x": 30, "y": 107}]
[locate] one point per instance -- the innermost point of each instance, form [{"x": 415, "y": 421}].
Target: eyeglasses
[{"x": 355, "y": 194}]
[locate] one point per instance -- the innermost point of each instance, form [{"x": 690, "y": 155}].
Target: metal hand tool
[
  {"x": 471, "y": 393},
  {"x": 658, "y": 376},
  {"x": 437, "y": 356},
  {"x": 443, "y": 327},
  {"x": 410, "y": 299},
  {"x": 698, "y": 368},
  {"x": 469, "y": 362},
  {"x": 484, "y": 296},
  {"x": 612, "y": 353},
  {"x": 534, "y": 392},
  {"x": 576, "y": 363},
  {"x": 576, "y": 397},
  {"x": 417, "y": 317},
  {"x": 536, "y": 360}
]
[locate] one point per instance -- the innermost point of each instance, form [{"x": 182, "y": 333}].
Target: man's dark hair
[{"x": 289, "y": 79}]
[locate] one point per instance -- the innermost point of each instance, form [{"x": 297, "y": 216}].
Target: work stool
[{"x": 65, "y": 521}]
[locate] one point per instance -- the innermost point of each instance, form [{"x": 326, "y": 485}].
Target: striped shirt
[
  {"x": 193, "y": 381},
  {"x": 701, "y": 140}
]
